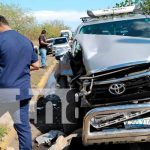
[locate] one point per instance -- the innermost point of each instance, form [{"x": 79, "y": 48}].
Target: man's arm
[
  {"x": 44, "y": 43},
  {"x": 43, "y": 40},
  {"x": 35, "y": 66}
]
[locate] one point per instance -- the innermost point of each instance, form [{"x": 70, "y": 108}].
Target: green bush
[
  {"x": 24, "y": 22},
  {"x": 144, "y": 4},
  {"x": 3, "y": 131}
]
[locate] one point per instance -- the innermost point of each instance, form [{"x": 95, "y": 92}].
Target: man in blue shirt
[{"x": 17, "y": 58}]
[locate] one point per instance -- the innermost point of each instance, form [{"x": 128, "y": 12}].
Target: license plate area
[{"x": 137, "y": 123}]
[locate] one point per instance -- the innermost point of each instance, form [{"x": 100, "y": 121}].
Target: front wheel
[{"x": 62, "y": 81}]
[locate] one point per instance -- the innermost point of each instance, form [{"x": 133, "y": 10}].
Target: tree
[
  {"x": 145, "y": 5},
  {"x": 23, "y": 21},
  {"x": 127, "y": 3},
  {"x": 17, "y": 17},
  {"x": 54, "y": 27}
]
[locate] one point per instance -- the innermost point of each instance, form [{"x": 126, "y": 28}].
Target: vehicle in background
[
  {"x": 49, "y": 47},
  {"x": 69, "y": 35},
  {"x": 110, "y": 64},
  {"x": 60, "y": 47},
  {"x": 66, "y": 33}
]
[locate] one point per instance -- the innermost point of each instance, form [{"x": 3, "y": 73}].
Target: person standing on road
[
  {"x": 17, "y": 58},
  {"x": 43, "y": 48}
]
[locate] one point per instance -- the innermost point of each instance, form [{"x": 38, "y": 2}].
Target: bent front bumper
[{"x": 114, "y": 135}]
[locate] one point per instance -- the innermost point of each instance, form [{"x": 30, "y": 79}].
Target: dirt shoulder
[{"x": 37, "y": 75}]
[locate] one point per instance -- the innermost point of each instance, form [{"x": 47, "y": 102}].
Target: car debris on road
[
  {"x": 48, "y": 137},
  {"x": 62, "y": 143}
]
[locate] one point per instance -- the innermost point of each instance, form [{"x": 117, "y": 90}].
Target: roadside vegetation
[
  {"x": 24, "y": 22},
  {"x": 144, "y": 4},
  {"x": 3, "y": 131}
]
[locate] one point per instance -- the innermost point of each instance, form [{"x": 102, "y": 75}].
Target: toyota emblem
[{"x": 117, "y": 89}]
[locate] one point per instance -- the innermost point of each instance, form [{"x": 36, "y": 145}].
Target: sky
[{"x": 69, "y": 11}]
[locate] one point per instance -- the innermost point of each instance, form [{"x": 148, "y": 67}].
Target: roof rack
[
  {"x": 110, "y": 13},
  {"x": 85, "y": 19}
]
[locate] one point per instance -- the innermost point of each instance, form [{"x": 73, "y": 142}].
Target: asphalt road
[{"x": 77, "y": 142}]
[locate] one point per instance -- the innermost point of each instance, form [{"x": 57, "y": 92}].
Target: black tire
[{"x": 62, "y": 81}]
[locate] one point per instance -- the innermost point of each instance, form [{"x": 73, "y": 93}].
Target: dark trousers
[{"x": 20, "y": 114}]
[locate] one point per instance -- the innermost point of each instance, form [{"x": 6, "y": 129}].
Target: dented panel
[{"x": 106, "y": 52}]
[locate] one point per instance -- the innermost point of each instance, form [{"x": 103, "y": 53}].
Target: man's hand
[{"x": 35, "y": 66}]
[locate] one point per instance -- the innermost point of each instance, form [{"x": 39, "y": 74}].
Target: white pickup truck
[{"x": 110, "y": 63}]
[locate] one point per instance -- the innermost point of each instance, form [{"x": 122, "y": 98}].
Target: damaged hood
[{"x": 106, "y": 52}]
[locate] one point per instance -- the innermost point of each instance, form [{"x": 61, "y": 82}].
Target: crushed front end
[
  {"x": 117, "y": 124},
  {"x": 118, "y": 104},
  {"x": 119, "y": 86}
]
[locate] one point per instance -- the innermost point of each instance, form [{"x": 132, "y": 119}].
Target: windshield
[
  {"x": 135, "y": 28},
  {"x": 60, "y": 41},
  {"x": 65, "y": 34}
]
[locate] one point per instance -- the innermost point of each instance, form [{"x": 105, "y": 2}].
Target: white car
[
  {"x": 66, "y": 33},
  {"x": 60, "y": 47}
]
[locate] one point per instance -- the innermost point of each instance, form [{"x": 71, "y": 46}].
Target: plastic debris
[
  {"x": 48, "y": 137},
  {"x": 62, "y": 143}
]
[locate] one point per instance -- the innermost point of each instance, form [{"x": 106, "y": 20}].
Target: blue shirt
[{"x": 16, "y": 56}]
